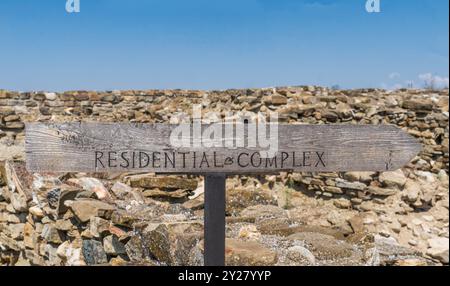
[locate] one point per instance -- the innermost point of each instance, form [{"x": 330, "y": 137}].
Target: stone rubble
[{"x": 396, "y": 218}]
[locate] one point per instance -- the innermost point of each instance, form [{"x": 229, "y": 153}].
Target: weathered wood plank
[{"x": 124, "y": 147}]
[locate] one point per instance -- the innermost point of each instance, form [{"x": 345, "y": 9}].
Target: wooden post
[{"x": 214, "y": 215}]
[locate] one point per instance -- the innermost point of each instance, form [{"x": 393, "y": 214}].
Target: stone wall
[{"x": 45, "y": 218}]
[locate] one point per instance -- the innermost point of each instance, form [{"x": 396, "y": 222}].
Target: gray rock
[
  {"x": 93, "y": 252},
  {"x": 53, "y": 197},
  {"x": 136, "y": 250},
  {"x": 388, "y": 252},
  {"x": 65, "y": 195},
  {"x": 120, "y": 190},
  {"x": 98, "y": 226},
  {"x": 171, "y": 243},
  {"x": 51, "y": 234},
  {"x": 19, "y": 202},
  {"x": 113, "y": 246},
  {"x": 15, "y": 231},
  {"x": 2, "y": 197},
  {"x": 350, "y": 185}
]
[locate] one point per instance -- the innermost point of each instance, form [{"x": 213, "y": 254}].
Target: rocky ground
[{"x": 354, "y": 218}]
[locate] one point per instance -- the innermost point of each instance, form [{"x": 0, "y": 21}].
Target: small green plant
[{"x": 285, "y": 195}]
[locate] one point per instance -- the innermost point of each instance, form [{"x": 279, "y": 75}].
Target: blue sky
[{"x": 219, "y": 44}]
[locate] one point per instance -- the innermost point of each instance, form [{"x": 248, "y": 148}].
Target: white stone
[
  {"x": 71, "y": 256},
  {"x": 417, "y": 221},
  {"x": 412, "y": 192},
  {"x": 50, "y": 96},
  {"x": 429, "y": 177},
  {"x": 393, "y": 179},
  {"x": 443, "y": 177},
  {"x": 439, "y": 249}
]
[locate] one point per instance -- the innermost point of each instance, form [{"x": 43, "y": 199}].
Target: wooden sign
[
  {"x": 109, "y": 147},
  {"x": 216, "y": 151}
]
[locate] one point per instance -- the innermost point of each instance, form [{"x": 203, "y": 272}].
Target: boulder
[
  {"x": 51, "y": 234},
  {"x": 301, "y": 255},
  {"x": 86, "y": 208},
  {"x": 412, "y": 192},
  {"x": 113, "y": 246},
  {"x": 248, "y": 253},
  {"x": 123, "y": 218},
  {"x": 121, "y": 190},
  {"x": 239, "y": 198},
  {"x": 63, "y": 225},
  {"x": 439, "y": 249},
  {"x": 171, "y": 243},
  {"x": 394, "y": 179},
  {"x": 93, "y": 252},
  {"x": 135, "y": 249},
  {"x": 418, "y": 105},
  {"x": 70, "y": 255},
  {"x": 98, "y": 226},
  {"x": 65, "y": 194},
  {"x": 19, "y": 202},
  {"x": 324, "y": 246},
  {"x": 278, "y": 100},
  {"x": 344, "y": 111}
]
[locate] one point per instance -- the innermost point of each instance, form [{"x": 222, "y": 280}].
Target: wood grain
[{"x": 76, "y": 147}]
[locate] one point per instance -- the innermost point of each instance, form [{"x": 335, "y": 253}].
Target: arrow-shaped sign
[{"x": 227, "y": 149}]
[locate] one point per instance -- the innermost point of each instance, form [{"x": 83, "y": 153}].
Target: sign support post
[{"x": 214, "y": 216}]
